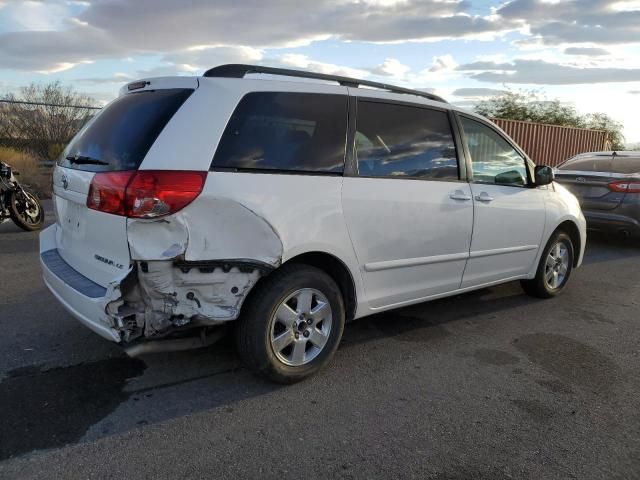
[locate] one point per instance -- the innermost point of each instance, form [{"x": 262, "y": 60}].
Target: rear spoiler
[{"x": 159, "y": 83}]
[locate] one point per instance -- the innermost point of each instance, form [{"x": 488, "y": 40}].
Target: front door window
[{"x": 493, "y": 159}]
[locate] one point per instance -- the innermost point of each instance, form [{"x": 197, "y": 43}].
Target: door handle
[
  {"x": 459, "y": 195},
  {"x": 484, "y": 197}
]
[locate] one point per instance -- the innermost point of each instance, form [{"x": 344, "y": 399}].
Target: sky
[{"x": 583, "y": 52}]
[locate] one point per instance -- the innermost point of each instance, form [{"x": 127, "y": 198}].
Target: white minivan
[{"x": 290, "y": 203}]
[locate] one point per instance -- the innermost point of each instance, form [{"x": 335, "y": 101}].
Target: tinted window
[
  {"x": 402, "y": 141},
  {"x": 619, "y": 164},
  {"x": 122, "y": 133},
  {"x": 493, "y": 159},
  {"x": 285, "y": 131}
]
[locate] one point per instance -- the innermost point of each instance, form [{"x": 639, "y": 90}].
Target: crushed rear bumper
[{"x": 81, "y": 297}]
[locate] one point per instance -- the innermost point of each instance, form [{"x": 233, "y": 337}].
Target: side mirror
[
  {"x": 544, "y": 175},
  {"x": 512, "y": 177}
]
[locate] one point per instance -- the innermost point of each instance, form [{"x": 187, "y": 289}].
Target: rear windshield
[
  {"x": 121, "y": 134},
  {"x": 619, "y": 164}
]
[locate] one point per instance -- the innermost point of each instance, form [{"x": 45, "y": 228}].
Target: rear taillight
[
  {"x": 144, "y": 193},
  {"x": 107, "y": 192},
  {"x": 625, "y": 186},
  {"x": 156, "y": 193}
]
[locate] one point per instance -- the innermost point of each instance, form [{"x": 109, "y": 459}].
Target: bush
[{"x": 32, "y": 174}]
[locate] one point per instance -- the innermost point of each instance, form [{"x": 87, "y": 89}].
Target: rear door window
[
  {"x": 288, "y": 132},
  {"x": 606, "y": 163},
  {"x": 399, "y": 141},
  {"x": 121, "y": 134}
]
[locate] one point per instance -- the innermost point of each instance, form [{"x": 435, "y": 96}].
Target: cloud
[
  {"x": 304, "y": 62},
  {"x": 48, "y": 50},
  {"x": 443, "y": 63},
  {"x": 112, "y": 28},
  {"x": 115, "y": 78},
  {"x": 164, "y": 70},
  {"x": 201, "y": 58},
  {"x": 477, "y": 92},
  {"x": 391, "y": 67},
  {"x": 634, "y": 92},
  {"x": 586, "y": 51},
  {"x": 577, "y": 21},
  {"x": 280, "y": 22},
  {"x": 466, "y": 104},
  {"x": 34, "y": 15},
  {"x": 546, "y": 73}
]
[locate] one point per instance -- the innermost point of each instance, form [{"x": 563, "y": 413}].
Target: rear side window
[
  {"x": 403, "y": 141},
  {"x": 619, "y": 164},
  {"x": 301, "y": 132},
  {"x": 122, "y": 133}
]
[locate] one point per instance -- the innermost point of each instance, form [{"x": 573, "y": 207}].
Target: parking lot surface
[{"x": 491, "y": 384}]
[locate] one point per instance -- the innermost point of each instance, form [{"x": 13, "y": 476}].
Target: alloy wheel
[
  {"x": 300, "y": 327},
  {"x": 556, "y": 266}
]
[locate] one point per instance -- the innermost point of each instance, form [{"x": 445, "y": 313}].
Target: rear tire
[
  {"x": 554, "y": 269},
  {"x": 29, "y": 219},
  {"x": 291, "y": 324}
]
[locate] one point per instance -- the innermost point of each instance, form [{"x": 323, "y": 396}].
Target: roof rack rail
[{"x": 237, "y": 70}]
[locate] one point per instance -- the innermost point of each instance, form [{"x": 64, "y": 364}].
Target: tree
[
  {"x": 47, "y": 120},
  {"x": 602, "y": 121},
  {"x": 528, "y": 106}
]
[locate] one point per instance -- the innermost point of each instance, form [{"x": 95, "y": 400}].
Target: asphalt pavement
[{"x": 487, "y": 385}]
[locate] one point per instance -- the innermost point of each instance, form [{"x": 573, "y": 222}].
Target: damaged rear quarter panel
[
  {"x": 246, "y": 217},
  {"x": 182, "y": 274},
  {"x": 209, "y": 229}
]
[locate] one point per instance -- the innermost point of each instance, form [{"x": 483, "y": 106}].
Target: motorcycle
[{"x": 22, "y": 206}]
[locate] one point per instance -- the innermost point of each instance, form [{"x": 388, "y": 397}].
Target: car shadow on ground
[{"x": 47, "y": 408}]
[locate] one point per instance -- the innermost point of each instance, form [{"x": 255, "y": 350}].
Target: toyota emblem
[{"x": 580, "y": 179}]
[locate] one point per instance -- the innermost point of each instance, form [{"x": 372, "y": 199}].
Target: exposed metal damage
[{"x": 177, "y": 282}]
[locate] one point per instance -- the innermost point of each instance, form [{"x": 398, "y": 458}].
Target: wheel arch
[
  {"x": 571, "y": 229},
  {"x": 337, "y": 270}
]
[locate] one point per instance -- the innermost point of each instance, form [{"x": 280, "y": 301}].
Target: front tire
[
  {"x": 554, "y": 269},
  {"x": 291, "y": 324}
]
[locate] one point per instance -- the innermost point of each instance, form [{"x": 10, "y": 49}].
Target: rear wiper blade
[{"x": 84, "y": 160}]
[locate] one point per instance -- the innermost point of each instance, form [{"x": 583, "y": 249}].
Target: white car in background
[{"x": 289, "y": 206}]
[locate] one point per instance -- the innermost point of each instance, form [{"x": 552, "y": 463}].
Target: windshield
[{"x": 121, "y": 134}]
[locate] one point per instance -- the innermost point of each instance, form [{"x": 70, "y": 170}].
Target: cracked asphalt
[{"x": 487, "y": 385}]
